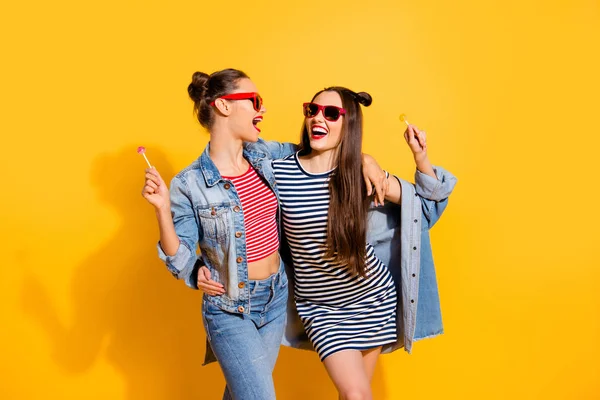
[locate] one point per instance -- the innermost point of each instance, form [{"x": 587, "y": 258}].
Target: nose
[
  {"x": 319, "y": 113},
  {"x": 263, "y": 109}
]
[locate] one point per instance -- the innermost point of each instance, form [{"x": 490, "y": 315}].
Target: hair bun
[
  {"x": 199, "y": 85},
  {"x": 364, "y": 98}
]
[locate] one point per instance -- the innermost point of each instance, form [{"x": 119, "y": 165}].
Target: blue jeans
[{"x": 247, "y": 345}]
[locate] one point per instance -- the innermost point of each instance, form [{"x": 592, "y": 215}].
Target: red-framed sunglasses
[
  {"x": 257, "y": 101},
  {"x": 330, "y": 113}
]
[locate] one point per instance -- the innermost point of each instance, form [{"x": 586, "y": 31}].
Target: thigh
[
  {"x": 241, "y": 353},
  {"x": 273, "y": 323},
  {"x": 347, "y": 371},
  {"x": 370, "y": 361}
]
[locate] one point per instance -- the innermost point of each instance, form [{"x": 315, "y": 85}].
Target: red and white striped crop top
[{"x": 259, "y": 205}]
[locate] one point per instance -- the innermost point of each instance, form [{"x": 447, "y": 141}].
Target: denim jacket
[
  {"x": 400, "y": 236},
  {"x": 207, "y": 211}
]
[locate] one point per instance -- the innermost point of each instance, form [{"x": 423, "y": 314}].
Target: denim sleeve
[
  {"x": 183, "y": 264},
  {"x": 279, "y": 150},
  {"x": 435, "y": 189},
  {"x": 434, "y": 194},
  {"x": 432, "y": 211}
]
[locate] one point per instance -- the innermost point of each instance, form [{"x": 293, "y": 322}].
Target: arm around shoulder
[{"x": 278, "y": 150}]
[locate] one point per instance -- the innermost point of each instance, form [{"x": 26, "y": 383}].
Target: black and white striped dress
[{"x": 339, "y": 310}]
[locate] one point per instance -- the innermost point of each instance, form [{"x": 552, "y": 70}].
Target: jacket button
[
  {"x": 413, "y": 275},
  {"x": 415, "y": 221},
  {"x": 414, "y": 248},
  {"x": 239, "y": 259},
  {"x": 416, "y": 194},
  {"x": 412, "y": 301},
  {"x": 241, "y": 309},
  {"x": 238, "y": 235},
  {"x": 227, "y": 186},
  {"x": 236, "y": 208},
  {"x": 241, "y": 285}
]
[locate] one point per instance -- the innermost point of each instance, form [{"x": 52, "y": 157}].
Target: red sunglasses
[
  {"x": 330, "y": 113},
  {"x": 257, "y": 101}
]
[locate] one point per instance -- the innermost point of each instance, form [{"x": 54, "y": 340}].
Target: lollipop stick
[{"x": 146, "y": 158}]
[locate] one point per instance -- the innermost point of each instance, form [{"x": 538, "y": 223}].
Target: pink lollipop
[{"x": 142, "y": 150}]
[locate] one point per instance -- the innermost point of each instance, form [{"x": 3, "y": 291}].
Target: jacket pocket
[{"x": 215, "y": 223}]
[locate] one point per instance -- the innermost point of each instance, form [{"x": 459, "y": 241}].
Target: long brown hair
[{"x": 347, "y": 218}]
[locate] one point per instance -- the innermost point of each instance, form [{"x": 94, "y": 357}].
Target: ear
[{"x": 223, "y": 106}]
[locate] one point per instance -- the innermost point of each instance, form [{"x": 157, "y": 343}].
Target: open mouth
[
  {"x": 255, "y": 122},
  {"x": 318, "y": 132}
]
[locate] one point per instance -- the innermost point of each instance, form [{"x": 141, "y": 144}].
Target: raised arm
[
  {"x": 179, "y": 231},
  {"x": 417, "y": 142},
  {"x": 156, "y": 192}
]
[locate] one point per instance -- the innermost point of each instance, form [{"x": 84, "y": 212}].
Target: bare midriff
[{"x": 264, "y": 268}]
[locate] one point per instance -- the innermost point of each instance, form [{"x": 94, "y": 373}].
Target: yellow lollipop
[{"x": 403, "y": 119}]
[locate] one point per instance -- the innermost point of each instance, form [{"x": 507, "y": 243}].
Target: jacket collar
[{"x": 211, "y": 174}]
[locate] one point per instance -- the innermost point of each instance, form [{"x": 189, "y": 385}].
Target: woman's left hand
[{"x": 416, "y": 139}]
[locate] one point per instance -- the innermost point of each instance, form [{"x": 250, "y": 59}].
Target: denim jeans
[{"x": 247, "y": 345}]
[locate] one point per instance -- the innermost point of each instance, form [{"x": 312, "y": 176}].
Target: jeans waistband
[{"x": 269, "y": 282}]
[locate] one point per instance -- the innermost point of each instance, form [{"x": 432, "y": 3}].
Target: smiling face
[
  {"x": 244, "y": 119},
  {"x": 325, "y": 135}
]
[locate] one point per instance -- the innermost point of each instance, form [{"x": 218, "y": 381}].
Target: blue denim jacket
[
  {"x": 400, "y": 236},
  {"x": 207, "y": 211},
  {"x": 199, "y": 190}
]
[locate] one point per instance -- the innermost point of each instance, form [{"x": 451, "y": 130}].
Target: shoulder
[
  {"x": 191, "y": 170},
  {"x": 287, "y": 160}
]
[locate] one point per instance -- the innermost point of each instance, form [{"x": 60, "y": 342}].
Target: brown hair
[
  {"x": 347, "y": 218},
  {"x": 205, "y": 89}
]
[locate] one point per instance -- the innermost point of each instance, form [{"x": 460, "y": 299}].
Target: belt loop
[
  {"x": 281, "y": 271},
  {"x": 256, "y": 284}
]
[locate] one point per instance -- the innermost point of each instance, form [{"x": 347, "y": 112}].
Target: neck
[
  {"x": 319, "y": 161},
  {"x": 226, "y": 151}
]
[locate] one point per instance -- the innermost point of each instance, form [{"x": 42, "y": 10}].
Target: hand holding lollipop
[
  {"x": 416, "y": 139},
  {"x": 155, "y": 189}
]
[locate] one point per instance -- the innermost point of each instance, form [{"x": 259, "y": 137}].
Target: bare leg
[
  {"x": 346, "y": 369},
  {"x": 370, "y": 361}
]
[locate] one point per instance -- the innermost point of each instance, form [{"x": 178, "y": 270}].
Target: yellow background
[{"x": 507, "y": 91}]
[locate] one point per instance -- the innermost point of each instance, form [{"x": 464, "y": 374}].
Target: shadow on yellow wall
[
  {"x": 123, "y": 298},
  {"x": 126, "y": 307}
]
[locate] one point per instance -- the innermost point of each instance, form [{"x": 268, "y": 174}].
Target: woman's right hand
[
  {"x": 207, "y": 285},
  {"x": 155, "y": 190}
]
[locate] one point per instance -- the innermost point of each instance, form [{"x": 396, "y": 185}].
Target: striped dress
[{"x": 339, "y": 310}]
